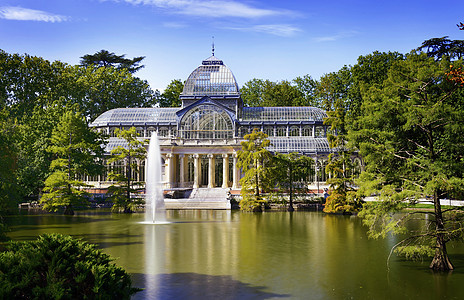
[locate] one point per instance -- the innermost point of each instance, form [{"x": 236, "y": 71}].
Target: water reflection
[
  {"x": 200, "y": 286},
  {"x": 233, "y": 255}
]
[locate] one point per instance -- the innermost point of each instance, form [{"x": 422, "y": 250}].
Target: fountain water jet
[{"x": 155, "y": 212}]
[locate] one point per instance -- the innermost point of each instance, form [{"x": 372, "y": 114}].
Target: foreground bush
[{"x": 59, "y": 267}]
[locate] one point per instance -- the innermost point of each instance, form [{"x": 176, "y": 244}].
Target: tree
[
  {"x": 97, "y": 90},
  {"x": 308, "y": 88},
  {"x": 342, "y": 198},
  {"x": 410, "y": 135},
  {"x": 104, "y": 58},
  {"x": 55, "y": 266},
  {"x": 253, "y": 92},
  {"x": 334, "y": 87},
  {"x": 291, "y": 169},
  {"x": 9, "y": 189},
  {"x": 258, "y": 92},
  {"x": 371, "y": 69},
  {"x": 77, "y": 150},
  {"x": 170, "y": 96},
  {"x": 443, "y": 47},
  {"x": 131, "y": 156},
  {"x": 254, "y": 159}
]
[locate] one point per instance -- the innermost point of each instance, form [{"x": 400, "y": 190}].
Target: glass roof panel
[
  {"x": 292, "y": 113},
  {"x": 299, "y": 144},
  {"x": 211, "y": 78},
  {"x": 136, "y": 115}
]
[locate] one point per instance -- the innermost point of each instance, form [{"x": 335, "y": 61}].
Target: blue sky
[{"x": 271, "y": 39}]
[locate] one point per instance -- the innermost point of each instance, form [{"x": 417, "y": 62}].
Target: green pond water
[{"x": 235, "y": 255}]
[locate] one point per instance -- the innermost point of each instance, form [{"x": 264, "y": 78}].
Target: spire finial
[{"x": 213, "y": 46}]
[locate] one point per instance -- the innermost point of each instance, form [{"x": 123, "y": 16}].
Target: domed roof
[{"x": 212, "y": 78}]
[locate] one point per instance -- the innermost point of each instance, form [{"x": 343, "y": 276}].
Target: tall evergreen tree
[
  {"x": 104, "y": 58},
  {"x": 291, "y": 173},
  {"x": 411, "y": 136},
  {"x": 76, "y": 149},
  {"x": 254, "y": 159},
  {"x": 131, "y": 156}
]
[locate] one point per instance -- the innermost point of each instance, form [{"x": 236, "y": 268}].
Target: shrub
[{"x": 56, "y": 266}]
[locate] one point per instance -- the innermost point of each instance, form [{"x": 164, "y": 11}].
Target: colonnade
[{"x": 176, "y": 170}]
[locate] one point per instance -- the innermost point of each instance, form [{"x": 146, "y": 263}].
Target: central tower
[{"x": 214, "y": 80}]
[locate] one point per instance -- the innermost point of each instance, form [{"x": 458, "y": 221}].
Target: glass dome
[{"x": 211, "y": 78}]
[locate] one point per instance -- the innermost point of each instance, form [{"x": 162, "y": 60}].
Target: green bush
[{"x": 56, "y": 266}]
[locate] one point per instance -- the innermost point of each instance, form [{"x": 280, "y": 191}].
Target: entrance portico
[{"x": 201, "y": 170}]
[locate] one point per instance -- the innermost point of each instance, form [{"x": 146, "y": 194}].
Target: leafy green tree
[
  {"x": 25, "y": 80},
  {"x": 170, "y": 96},
  {"x": 77, "y": 151},
  {"x": 410, "y": 135},
  {"x": 342, "y": 94},
  {"x": 258, "y": 92},
  {"x": 33, "y": 140},
  {"x": 342, "y": 198},
  {"x": 9, "y": 189},
  {"x": 255, "y": 161},
  {"x": 371, "y": 69},
  {"x": 29, "y": 82},
  {"x": 308, "y": 87},
  {"x": 97, "y": 90},
  {"x": 104, "y": 58},
  {"x": 253, "y": 92},
  {"x": 59, "y": 267},
  {"x": 292, "y": 171},
  {"x": 334, "y": 87},
  {"x": 131, "y": 155}
]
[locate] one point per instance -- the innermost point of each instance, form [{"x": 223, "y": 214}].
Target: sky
[{"x": 275, "y": 40}]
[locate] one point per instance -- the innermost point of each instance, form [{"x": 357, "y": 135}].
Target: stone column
[
  {"x": 235, "y": 172},
  {"x": 211, "y": 167},
  {"x": 225, "y": 171},
  {"x": 316, "y": 180},
  {"x": 181, "y": 170},
  {"x": 196, "y": 171},
  {"x": 168, "y": 170}
]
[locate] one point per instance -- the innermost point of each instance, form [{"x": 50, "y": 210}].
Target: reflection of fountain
[{"x": 154, "y": 200}]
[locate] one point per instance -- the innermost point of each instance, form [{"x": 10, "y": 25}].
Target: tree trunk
[
  {"x": 290, "y": 208},
  {"x": 128, "y": 174},
  {"x": 68, "y": 210},
  {"x": 440, "y": 261}
]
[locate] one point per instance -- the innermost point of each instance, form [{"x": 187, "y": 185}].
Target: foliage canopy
[{"x": 59, "y": 267}]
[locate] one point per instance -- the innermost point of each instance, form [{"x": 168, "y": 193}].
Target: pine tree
[
  {"x": 123, "y": 193},
  {"x": 255, "y": 160},
  {"x": 77, "y": 151}
]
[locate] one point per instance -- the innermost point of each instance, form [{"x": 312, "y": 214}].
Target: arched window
[
  {"x": 269, "y": 131},
  {"x": 294, "y": 131},
  {"x": 163, "y": 131},
  {"x": 150, "y": 130},
  {"x": 281, "y": 131},
  {"x": 206, "y": 122},
  {"x": 307, "y": 131},
  {"x": 320, "y": 131}
]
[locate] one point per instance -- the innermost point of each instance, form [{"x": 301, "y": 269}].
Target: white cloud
[
  {"x": 284, "y": 30},
  {"x": 26, "y": 14},
  {"x": 212, "y": 8},
  {"x": 336, "y": 37},
  {"x": 174, "y": 25}
]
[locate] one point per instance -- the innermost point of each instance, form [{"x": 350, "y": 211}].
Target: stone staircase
[{"x": 202, "y": 198}]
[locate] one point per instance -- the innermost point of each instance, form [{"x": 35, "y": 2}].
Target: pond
[{"x": 204, "y": 254}]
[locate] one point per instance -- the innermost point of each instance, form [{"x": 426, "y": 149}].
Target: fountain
[{"x": 155, "y": 212}]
